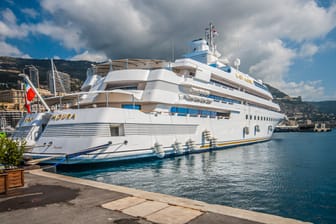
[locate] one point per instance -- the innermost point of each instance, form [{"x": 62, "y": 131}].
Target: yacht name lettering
[
  {"x": 63, "y": 117},
  {"x": 28, "y": 119},
  {"x": 242, "y": 77}
]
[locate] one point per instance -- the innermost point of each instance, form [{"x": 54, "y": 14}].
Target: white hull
[{"x": 144, "y": 135}]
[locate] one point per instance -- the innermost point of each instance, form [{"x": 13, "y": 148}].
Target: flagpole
[{"x": 35, "y": 90}]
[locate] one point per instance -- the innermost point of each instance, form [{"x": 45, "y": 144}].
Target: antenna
[
  {"x": 211, "y": 37},
  {"x": 172, "y": 51},
  {"x": 210, "y": 34}
]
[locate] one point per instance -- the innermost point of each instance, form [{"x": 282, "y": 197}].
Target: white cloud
[
  {"x": 30, "y": 12},
  {"x": 145, "y": 28},
  {"x": 9, "y": 28},
  {"x": 305, "y": 20},
  {"x": 95, "y": 57},
  {"x": 309, "y": 90},
  {"x": 328, "y": 45},
  {"x": 9, "y": 50},
  {"x": 8, "y": 16},
  {"x": 69, "y": 36},
  {"x": 103, "y": 25},
  {"x": 274, "y": 62},
  {"x": 308, "y": 50}
]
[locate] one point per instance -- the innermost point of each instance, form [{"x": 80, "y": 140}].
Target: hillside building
[
  {"x": 33, "y": 74},
  {"x": 12, "y": 106},
  {"x": 62, "y": 82}
]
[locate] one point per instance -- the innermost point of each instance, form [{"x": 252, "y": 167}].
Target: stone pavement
[{"x": 52, "y": 198}]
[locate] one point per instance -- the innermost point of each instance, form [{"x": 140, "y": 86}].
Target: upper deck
[{"x": 227, "y": 75}]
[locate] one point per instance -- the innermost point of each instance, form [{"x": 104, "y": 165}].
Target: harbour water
[{"x": 293, "y": 175}]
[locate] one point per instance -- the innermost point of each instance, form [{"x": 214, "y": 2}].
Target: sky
[{"x": 290, "y": 44}]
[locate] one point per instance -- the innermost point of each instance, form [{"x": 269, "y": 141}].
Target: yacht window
[
  {"x": 126, "y": 87},
  {"x": 181, "y": 111},
  {"x": 226, "y": 68},
  {"x": 131, "y": 106},
  {"x": 222, "y": 115},
  {"x": 205, "y": 113},
  {"x": 116, "y": 130},
  {"x": 193, "y": 112},
  {"x": 129, "y": 87},
  {"x": 262, "y": 86},
  {"x": 213, "y": 114}
]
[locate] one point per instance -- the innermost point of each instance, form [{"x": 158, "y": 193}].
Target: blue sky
[{"x": 290, "y": 44}]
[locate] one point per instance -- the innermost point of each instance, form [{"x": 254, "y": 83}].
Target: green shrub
[{"x": 11, "y": 152}]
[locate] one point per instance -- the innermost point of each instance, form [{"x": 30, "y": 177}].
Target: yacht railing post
[
  {"x": 60, "y": 103},
  {"x": 78, "y": 101},
  {"x": 35, "y": 90}
]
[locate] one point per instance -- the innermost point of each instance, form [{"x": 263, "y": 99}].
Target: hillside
[
  {"x": 11, "y": 67},
  {"x": 275, "y": 92},
  {"x": 325, "y": 106}
]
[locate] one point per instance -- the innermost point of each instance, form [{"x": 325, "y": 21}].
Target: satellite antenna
[{"x": 236, "y": 63}]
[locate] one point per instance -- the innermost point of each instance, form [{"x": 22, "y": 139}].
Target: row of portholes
[
  {"x": 259, "y": 118},
  {"x": 246, "y": 130}
]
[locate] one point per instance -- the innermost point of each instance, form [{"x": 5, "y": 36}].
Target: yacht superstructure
[{"x": 135, "y": 108}]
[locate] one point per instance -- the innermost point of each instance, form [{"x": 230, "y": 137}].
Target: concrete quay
[{"x": 53, "y": 198}]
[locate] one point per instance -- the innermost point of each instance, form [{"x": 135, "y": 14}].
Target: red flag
[{"x": 29, "y": 96}]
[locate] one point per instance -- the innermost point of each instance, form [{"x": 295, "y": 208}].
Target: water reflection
[{"x": 282, "y": 176}]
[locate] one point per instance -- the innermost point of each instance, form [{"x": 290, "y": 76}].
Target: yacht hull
[{"x": 112, "y": 134}]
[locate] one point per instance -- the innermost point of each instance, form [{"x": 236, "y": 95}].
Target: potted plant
[
  {"x": 11, "y": 155},
  {"x": 3, "y": 182}
]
